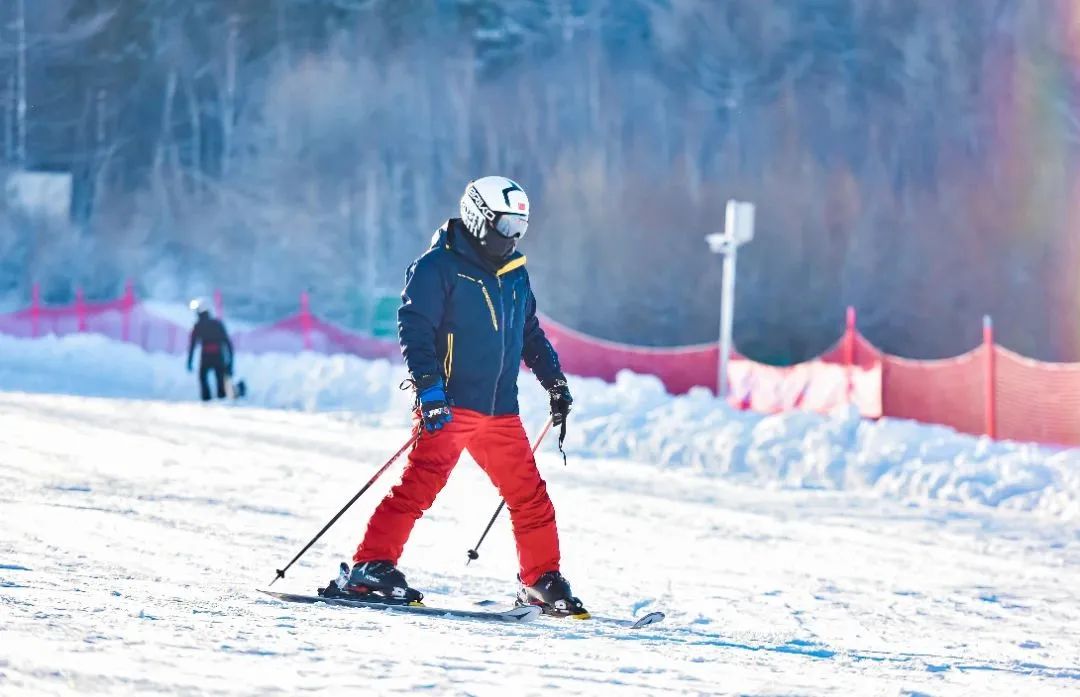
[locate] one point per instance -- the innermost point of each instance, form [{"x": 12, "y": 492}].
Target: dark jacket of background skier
[
  {"x": 214, "y": 342},
  {"x": 473, "y": 323}
]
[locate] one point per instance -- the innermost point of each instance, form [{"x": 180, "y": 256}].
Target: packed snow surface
[
  {"x": 633, "y": 419},
  {"x": 793, "y": 554}
]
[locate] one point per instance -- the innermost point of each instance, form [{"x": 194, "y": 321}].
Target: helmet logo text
[{"x": 481, "y": 204}]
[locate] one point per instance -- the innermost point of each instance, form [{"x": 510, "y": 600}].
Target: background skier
[
  {"x": 467, "y": 320},
  {"x": 216, "y": 350}
]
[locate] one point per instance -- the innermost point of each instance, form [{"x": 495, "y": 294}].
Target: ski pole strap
[{"x": 562, "y": 437}]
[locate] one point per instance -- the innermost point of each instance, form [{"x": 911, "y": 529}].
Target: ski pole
[
  {"x": 474, "y": 553},
  {"x": 409, "y": 444}
]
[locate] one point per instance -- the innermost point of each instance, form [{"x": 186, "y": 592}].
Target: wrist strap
[{"x": 562, "y": 437}]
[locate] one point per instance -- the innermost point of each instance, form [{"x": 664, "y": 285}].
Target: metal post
[
  {"x": 727, "y": 316},
  {"x": 739, "y": 229}
]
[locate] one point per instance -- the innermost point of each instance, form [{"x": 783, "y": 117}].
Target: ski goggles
[{"x": 511, "y": 226}]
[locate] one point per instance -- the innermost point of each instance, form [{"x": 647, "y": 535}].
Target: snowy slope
[
  {"x": 134, "y": 530},
  {"x": 634, "y": 419}
]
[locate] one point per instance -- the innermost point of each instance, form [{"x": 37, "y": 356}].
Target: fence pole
[
  {"x": 219, "y": 307},
  {"x": 35, "y": 309},
  {"x": 989, "y": 393},
  {"x": 305, "y": 319},
  {"x": 849, "y": 352},
  {"x": 126, "y": 305},
  {"x": 80, "y": 309}
]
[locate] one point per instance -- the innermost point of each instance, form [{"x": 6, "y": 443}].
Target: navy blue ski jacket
[{"x": 473, "y": 324}]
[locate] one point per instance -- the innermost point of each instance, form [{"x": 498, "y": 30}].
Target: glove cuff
[
  {"x": 424, "y": 382},
  {"x": 431, "y": 388},
  {"x": 554, "y": 382}
]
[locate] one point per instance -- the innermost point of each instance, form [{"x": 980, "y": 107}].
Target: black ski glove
[
  {"x": 559, "y": 396},
  {"x": 432, "y": 402},
  {"x": 560, "y": 399}
]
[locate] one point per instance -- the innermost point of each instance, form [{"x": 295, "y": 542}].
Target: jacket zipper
[
  {"x": 487, "y": 297},
  {"x": 495, "y": 324},
  {"x": 491, "y": 306},
  {"x": 448, "y": 362}
]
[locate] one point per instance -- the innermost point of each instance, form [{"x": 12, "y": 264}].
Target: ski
[
  {"x": 517, "y": 614},
  {"x": 641, "y": 622}
]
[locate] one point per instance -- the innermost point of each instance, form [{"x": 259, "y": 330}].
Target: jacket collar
[{"x": 454, "y": 237}]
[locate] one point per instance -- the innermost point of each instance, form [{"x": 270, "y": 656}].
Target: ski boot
[
  {"x": 552, "y": 594},
  {"x": 374, "y": 580}
]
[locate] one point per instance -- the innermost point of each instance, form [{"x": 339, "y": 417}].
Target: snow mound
[
  {"x": 633, "y": 419},
  {"x": 890, "y": 458}
]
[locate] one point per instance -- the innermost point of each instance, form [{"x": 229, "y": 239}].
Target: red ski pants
[{"x": 501, "y": 448}]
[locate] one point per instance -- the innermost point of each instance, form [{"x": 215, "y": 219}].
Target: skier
[
  {"x": 467, "y": 320},
  {"x": 216, "y": 352}
]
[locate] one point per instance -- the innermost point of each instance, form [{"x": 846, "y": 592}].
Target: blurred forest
[{"x": 917, "y": 159}]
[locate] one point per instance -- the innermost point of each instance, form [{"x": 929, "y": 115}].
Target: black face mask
[{"x": 496, "y": 247}]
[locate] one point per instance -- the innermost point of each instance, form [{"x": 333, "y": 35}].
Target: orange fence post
[
  {"x": 305, "y": 320},
  {"x": 849, "y": 352},
  {"x": 126, "y": 306},
  {"x": 80, "y": 309},
  {"x": 989, "y": 393},
  {"x": 219, "y": 308},
  {"x": 35, "y": 309}
]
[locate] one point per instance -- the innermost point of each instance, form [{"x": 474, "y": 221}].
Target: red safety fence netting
[
  {"x": 853, "y": 349},
  {"x": 305, "y": 332},
  {"x": 1036, "y": 401},
  {"x": 948, "y": 392},
  {"x": 678, "y": 368},
  {"x": 992, "y": 391},
  {"x": 819, "y": 385},
  {"x": 814, "y": 385}
]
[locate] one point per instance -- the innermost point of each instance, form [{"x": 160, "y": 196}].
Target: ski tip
[
  {"x": 646, "y": 620},
  {"x": 272, "y": 594},
  {"x": 525, "y": 613}
]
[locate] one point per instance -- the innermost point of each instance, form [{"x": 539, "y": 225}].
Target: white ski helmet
[
  {"x": 494, "y": 208},
  {"x": 200, "y": 305}
]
